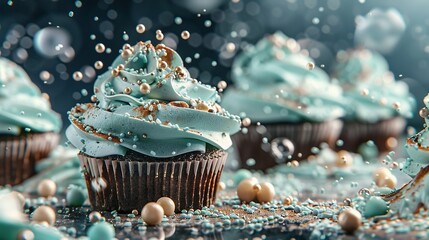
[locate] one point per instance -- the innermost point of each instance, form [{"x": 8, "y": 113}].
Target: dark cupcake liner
[
  {"x": 190, "y": 180},
  {"x": 356, "y": 133},
  {"x": 19, "y": 155},
  {"x": 304, "y": 136}
]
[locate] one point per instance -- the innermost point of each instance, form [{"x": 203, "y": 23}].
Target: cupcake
[
  {"x": 28, "y": 127},
  {"x": 377, "y": 105},
  {"x": 290, "y": 102},
  {"x": 152, "y": 132}
]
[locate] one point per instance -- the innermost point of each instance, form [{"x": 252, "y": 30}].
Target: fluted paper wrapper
[
  {"x": 304, "y": 136},
  {"x": 19, "y": 155},
  {"x": 356, "y": 133},
  {"x": 190, "y": 180}
]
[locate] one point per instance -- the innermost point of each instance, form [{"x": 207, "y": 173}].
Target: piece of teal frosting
[
  {"x": 22, "y": 106},
  {"x": 148, "y": 103},
  {"x": 371, "y": 91},
  {"x": 417, "y": 146},
  {"x": 275, "y": 82}
]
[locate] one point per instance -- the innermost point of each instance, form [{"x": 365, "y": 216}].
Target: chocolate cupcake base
[
  {"x": 19, "y": 154},
  {"x": 383, "y": 133},
  {"x": 303, "y": 136},
  {"x": 125, "y": 183}
]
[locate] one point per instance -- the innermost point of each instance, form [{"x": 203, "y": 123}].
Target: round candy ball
[
  {"x": 247, "y": 189},
  {"x": 47, "y": 188},
  {"x": 167, "y": 205},
  {"x": 152, "y": 213},
  {"x": 44, "y": 214},
  {"x": 75, "y": 197},
  {"x": 101, "y": 231},
  {"x": 350, "y": 220},
  {"x": 266, "y": 194}
]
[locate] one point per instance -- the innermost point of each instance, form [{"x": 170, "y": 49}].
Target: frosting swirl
[
  {"x": 417, "y": 146},
  {"x": 22, "y": 106},
  {"x": 370, "y": 88},
  {"x": 274, "y": 82},
  {"x": 149, "y": 104}
]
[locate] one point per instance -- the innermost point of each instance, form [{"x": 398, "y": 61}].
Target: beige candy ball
[
  {"x": 44, "y": 214},
  {"x": 167, "y": 205},
  {"x": 344, "y": 159},
  {"x": 152, "y": 213},
  {"x": 380, "y": 174},
  {"x": 47, "y": 188},
  {"x": 266, "y": 194},
  {"x": 350, "y": 220},
  {"x": 389, "y": 181},
  {"x": 247, "y": 189}
]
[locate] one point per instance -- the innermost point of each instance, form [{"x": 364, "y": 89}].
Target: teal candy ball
[
  {"x": 240, "y": 175},
  {"x": 75, "y": 197},
  {"x": 101, "y": 231},
  {"x": 375, "y": 206}
]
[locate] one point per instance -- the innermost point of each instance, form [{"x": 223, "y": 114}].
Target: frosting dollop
[
  {"x": 22, "y": 105},
  {"x": 371, "y": 90},
  {"x": 275, "y": 82},
  {"x": 148, "y": 103}
]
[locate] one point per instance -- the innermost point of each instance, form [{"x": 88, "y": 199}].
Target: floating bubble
[
  {"x": 380, "y": 30},
  {"x": 282, "y": 148},
  {"x": 51, "y": 41}
]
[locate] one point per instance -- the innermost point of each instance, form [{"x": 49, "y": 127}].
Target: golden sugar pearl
[
  {"x": 18, "y": 196},
  {"x": 288, "y": 200},
  {"x": 221, "y": 186},
  {"x": 94, "y": 216},
  {"x": 294, "y": 163},
  {"x": 391, "y": 143},
  {"x": 163, "y": 65},
  {"x": 140, "y": 28},
  {"x": 202, "y": 106},
  {"x": 44, "y": 214},
  {"x": 126, "y": 53},
  {"x": 93, "y": 98},
  {"x": 247, "y": 189},
  {"x": 25, "y": 234},
  {"x": 380, "y": 174},
  {"x": 115, "y": 72},
  {"x": 152, "y": 213},
  {"x": 121, "y": 67},
  {"x": 144, "y": 88},
  {"x": 98, "y": 65},
  {"x": 350, "y": 220},
  {"x": 344, "y": 159},
  {"x": 185, "y": 35},
  {"x": 128, "y": 90},
  {"x": 246, "y": 122},
  {"x": 389, "y": 181},
  {"x": 266, "y": 194},
  {"x": 159, "y": 36},
  {"x": 222, "y": 85},
  {"x": 77, "y": 76},
  {"x": 167, "y": 205},
  {"x": 178, "y": 69},
  {"x": 310, "y": 66},
  {"x": 47, "y": 188},
  {"x": 230, "y": 47},
  {"x": 100, "y": 48}
]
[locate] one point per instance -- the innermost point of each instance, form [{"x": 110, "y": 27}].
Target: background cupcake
[
  {"x": 153, "y": 132},
  {"x": 377, "y": 104},
  {"x": 280, "y": 88},
  {"x": 28, "y": 127}
]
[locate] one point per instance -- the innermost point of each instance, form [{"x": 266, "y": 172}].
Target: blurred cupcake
[
  {"x": 290, "y": 102},
  {"x": 377, "y": 105},
  {"x": 28, "y": 127},
  {"x": 153, "y": 132}
]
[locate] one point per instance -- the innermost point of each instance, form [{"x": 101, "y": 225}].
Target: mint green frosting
[
  {"x": 417, "y": 146},
  {"x": 177, "y": 115},
  {"x": 22, "y": 106},
  {"x": 274, "y": 83},
  {"x": 371, "y": 90}
]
